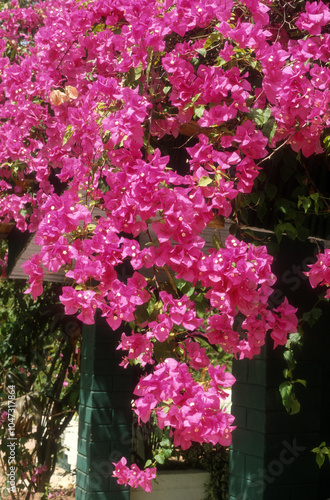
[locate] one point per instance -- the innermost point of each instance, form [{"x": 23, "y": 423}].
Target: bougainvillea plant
[{"x": 95, "y": 97}]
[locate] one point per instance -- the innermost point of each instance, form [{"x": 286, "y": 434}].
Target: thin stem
[
  {"x": 277, "y": 149},
  {"x": 167, "y": 271}
]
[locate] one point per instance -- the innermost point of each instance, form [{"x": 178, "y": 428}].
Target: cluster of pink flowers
[
  {"x": 239, "y": 281},
  {"x": 92, "y": 96},
  {"x": 319, "y": 273},
  {"x": 38, "y": 471},
  {"x": 35, "y": 472},
  {"x": 193, "y": 411},
  {"x": 133, "y": 476}
]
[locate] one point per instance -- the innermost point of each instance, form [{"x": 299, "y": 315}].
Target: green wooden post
[
  {"x": 104, "y": 415},
  {"x": 271, "y": 456}
]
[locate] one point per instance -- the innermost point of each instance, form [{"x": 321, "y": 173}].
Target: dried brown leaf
[
  {"x": 71, "y": 92},
  {"x": 57, "y": 98}
]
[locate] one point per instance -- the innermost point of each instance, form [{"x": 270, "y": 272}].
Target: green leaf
[
  {"x": 98, "y": 28},
  {"x": 295, "y": 406},
  {"x": 148, "y": 463},
  {"x": 271, "y": 191},
  {"x": 320, "y": 459},
  {"x": 285, "y": 389},
  {"x": 260, "y": 116},
  {"x": 286, "y": 228},
  {"x": 316, "y": 313},
  {"x": 220, "y": 62},
  {"x": 202, "y": 52},
  {"x": 284, "y": 205},
  {"x": 302, "y": 233},
  {"x": 193, "y": 100},
  {"x": 167, "y": 453},
  {"x": 317, "y": 201},
  {"x": 321, "y": 452},
  {"x": 216, "y": 241},
  {"x": 188, "y": 289},
  {"x": 205, "y": 181},
  {"x": 295, "y": 339},
  {"x": 199, "y": 297},
  {"x": 289, "y": 400},
  {"x": 138, "y": 72},
  {"x": 261, "y": 211},
  {"x": 244, "y": 214},
  {"x": 196, "y": 97},
  {"x": 306, "y": 316},
  {"x": 214, "y": 37},
  {"x": 159, "y": 458},
  {"x": 304, "y": 202},
  {"x": 165, "y": 442},
  {"x": 269, "y": 129},
  {"x": 134, "y": 74},
  {"x": 199, "y": 110},
  {"x": 121, "y": 144},
  {"x": 326, "y": 142},
  {"x": 288, "y": 356},
  {"x": 312, "y": 316},
  {"x": 68, "y": 133},
  {"x": 185, "y": 287},
  {"x": 300, "y": 381},
  {"x": 257, "y": 197},
  {"x": 151, "y": 304},
  {"x": 290, "y": 230},
  {"x": 279, "y": 232},
  {"x": 200, "y": 309},
  {"x": 163, "y": 350},
  {"x": 141, "y": 314}
]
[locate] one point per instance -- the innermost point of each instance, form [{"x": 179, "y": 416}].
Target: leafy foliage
[
  {"x": 126, "y": 122},
  {"x": 321, "y": 452},
  {"x": 39, "y": 362}
]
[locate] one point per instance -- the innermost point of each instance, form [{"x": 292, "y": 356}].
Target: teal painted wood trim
[
  {"x": 271, "y": 449},
  {"x": 104, "y": 415},
  {"x": 270, "y": 454}
]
